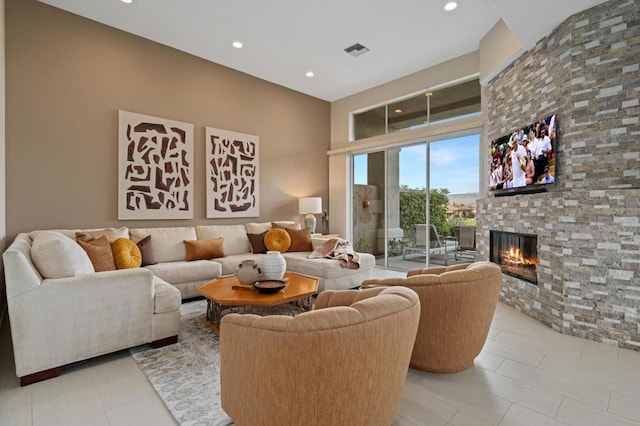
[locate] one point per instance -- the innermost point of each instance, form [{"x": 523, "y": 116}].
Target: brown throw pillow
[
  {"x": 204, "y": 249},
  {"x": 277, "y": 239},
  {"x": 257, "y": 242},
  {"x": 300, "y": 239},
  {"x": 99, "y": 251},
  {"x": 145, "y": 250}
]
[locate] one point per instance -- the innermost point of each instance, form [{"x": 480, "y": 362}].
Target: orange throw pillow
[
  {"x": 204, "y": 249},
  {"x": 126, "y": 254},
  {"x": 277, "y": 239}
]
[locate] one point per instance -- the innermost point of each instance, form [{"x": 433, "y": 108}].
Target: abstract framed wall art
[
  {"x": 155, "y": 168},
  {"x": 232, "y": 176}
]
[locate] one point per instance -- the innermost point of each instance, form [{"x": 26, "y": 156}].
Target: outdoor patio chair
[
  {"x": 435, "y": 240},
  {"x": 466, "y": 241}
]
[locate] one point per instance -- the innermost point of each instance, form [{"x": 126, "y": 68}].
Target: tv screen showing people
[{"x": 525, "y": 157}]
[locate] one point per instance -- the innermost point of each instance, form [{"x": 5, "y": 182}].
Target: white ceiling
[{"x": 285, "y": 38}]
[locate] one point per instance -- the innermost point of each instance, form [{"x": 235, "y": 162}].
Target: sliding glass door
[{"x": 396, "y": 219}]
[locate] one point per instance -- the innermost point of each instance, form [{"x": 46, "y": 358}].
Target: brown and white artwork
[
  {"x": 155, "y": 168},
  {"x": 232, "y": 174}
]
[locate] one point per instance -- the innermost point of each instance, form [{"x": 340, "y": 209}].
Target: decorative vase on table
[
  {"x": 273, "y": 266},
  {"x": 248, "y": 272}
]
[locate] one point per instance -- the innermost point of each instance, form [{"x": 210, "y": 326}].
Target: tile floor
[{"x": 527, "y": 374}]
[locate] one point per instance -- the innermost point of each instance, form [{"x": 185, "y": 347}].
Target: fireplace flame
[{"x": 513, "y": 256}]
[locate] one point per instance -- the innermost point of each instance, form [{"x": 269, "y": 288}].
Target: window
[{"x": 427, "y": 107}]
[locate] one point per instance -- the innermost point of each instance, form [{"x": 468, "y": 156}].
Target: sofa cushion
[
  {"x": 112, "y": 234},
  {"x": 126, "y": 254},
  {"x": 166, "y": 298},
  {"x": 57, "y": 256},
  {"x": 100, "y": 254},
  {"x": 235, "y": 237},
  {"x": 167, "y": 243},
  {"x": 204, "y": 249},
  {"x": 300, "y": 239},
  {"x": 285, "y": 224},
  {"x": 257, "y": 228},
  {"x": 146, "y": 251},
  {"x": 184, "y": 271},
  {"x": 257, "y": 242},
  {"x": 277, "y": 239}
]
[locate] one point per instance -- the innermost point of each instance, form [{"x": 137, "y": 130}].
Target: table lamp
[{"x": 310, "y": 206}]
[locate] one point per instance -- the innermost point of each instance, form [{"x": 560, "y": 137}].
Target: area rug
[{"x": 186, "y": 375}]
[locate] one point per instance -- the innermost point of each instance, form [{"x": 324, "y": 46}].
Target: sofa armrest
[{"x": 64, "y": 320}]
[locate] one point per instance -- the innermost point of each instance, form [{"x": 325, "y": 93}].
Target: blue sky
[{"x": 454, "y": 165}]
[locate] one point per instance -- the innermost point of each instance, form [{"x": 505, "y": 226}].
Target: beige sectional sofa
[
  {"x": 170, "y": 253},
  {"x": 64, "y": 313},
  {"x": 74, "y": 313}
]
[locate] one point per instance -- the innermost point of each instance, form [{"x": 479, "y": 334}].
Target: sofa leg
[
  {"x": 164, "y": 342},
  {"x": 40, "y": 376}
]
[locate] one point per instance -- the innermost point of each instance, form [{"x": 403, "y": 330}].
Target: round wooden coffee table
[{"x": 226, "y": 294}]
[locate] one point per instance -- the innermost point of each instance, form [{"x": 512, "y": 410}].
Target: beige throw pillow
[
  {"x": 112, "y": 234},
  {"x": 57, "y": 256}
]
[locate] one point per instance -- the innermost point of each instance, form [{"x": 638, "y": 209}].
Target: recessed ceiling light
[
  {"x": 127, "y": 1},
  {"x": 237, "y": 44},
  {"x": 450, "y": 6},
  {"x": 398, "y": 111},
  {"x": 309, "y": 74}
]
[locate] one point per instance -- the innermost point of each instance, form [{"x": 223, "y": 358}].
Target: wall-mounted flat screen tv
[{"x": 525, "y": 158}]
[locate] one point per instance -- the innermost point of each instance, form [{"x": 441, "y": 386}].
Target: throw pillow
[
  {"x": 99, "y": 251},
  {"x": 300, "y": 239},
  {"x": 58, "y": 256},
  {"x": 257, "y": 242},
  {"x": 277, "y": 239},
  {"x": 112, "y": 234},
  {"x": 284, "y": 224},
  {"x": 204, "y": 249},
  {"x": 145, "y": 251},
  {"x": 126, "y": 254}
]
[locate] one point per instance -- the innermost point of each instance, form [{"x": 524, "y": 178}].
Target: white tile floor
[{"x": 526, "y": 374}]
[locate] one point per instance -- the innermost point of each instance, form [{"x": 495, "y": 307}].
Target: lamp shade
[{"x": 310, "y": 205}]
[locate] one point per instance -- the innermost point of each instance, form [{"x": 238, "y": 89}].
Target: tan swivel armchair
[
  {"x": 344, "y": 363},
  {"x": 457, "y": 307}
]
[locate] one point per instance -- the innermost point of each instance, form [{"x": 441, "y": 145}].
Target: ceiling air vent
[{"x": 356, "y": 50}]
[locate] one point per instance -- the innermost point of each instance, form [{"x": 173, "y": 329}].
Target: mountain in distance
[{"x": 468, "y": 199}]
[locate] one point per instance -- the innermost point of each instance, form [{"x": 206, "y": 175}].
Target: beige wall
[{"x": 67, "y": 77}]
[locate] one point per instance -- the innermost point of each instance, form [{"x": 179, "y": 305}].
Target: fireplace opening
[{"x": 517, "y": 254}]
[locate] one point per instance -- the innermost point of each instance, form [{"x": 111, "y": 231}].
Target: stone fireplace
[{"x": 587, "y": 225}]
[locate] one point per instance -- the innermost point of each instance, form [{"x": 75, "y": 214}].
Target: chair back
[
  {"x": 436, "y": 239},
  {"x": 457, "y": 307},
  {"x": 467, "y": 237},
  {"x": 345, "y": 362}
]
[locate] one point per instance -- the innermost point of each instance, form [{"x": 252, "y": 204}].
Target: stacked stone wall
[{"x": 587, "y": 72}]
